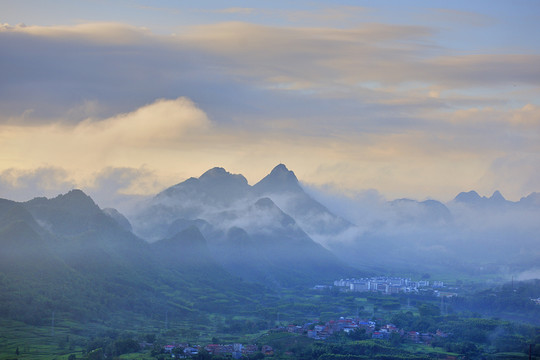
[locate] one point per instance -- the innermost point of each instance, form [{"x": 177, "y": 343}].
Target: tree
[
  {"x": 203, "y": 355},
  {"x": 358, "y": 334},
  {"x": 96, "y": 354},
  {"x": 395, "y": 339},
  {"x": 177, "y": 351},
  {"x": 125, "y": 346},
  {"x": 17, "y": 351},
  {"x": 429, "y": 310},
  {"x": 150, "y": 338}
]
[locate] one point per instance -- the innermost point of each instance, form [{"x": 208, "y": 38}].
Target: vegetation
[
  {"x": 88, "y": 289},
  {"x": 466, "y": 334}
]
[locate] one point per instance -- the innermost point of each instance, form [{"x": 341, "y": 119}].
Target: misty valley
[{"x": 214, "y": 268}]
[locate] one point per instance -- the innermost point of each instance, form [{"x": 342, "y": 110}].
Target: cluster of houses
[
  {"x": 321, "y": 332},
  {"x": 383, "y": 284},
  {"x": 236, "y": 351},
  {"x": 316, "y": 331}
]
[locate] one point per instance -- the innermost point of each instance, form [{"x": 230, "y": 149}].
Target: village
[
  {"x": 322, "y": 331},
  {"x": 236, "y": 351},
  {"x": 384, "y": 285},
  {"x": 363, "y": 326},
  {"x": 314, "y": 330}
]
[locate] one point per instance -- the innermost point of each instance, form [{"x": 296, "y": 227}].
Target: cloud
[
  {"x": 459, "y": 16},
  {"x": 56, "y": 69},
  {"x": 108, "y": 33},
  {"x": 236, "y": 10},
  {"x": 376, "y": 105},
  {"x": 156, "y": 123},
  {"x": 529, "y": 274},
  {"x": 122, "y": 188},
  {"x": 21, "y": 185},
  {"x": 501, "y": 174},
  {"x": 135, "y": 138},
  {"x": 369, "y": 52},
  {"x": 335, "y": 15}
]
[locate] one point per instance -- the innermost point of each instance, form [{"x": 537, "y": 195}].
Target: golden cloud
[{"x": 97, "y": 143}]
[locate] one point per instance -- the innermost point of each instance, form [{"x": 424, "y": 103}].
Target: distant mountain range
[
  {"x": 402, "y": 235},
  {"x": 217, "y": 234},
  {"x": 264, "y": 222},
  {"x": 472, "y": 198}
]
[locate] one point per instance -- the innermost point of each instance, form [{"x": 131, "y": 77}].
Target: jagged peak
[
  {"x": 215, "y": 171},
  {"x": 281, "y": 171},
  {"x": 497, "y": 196},
  {"x": 220, "y": 174},
  {"x": 280, "y": 179},
  {"x": 280, "y": 168},
  {"x": 74, "y": 194},
  {"x": 75, "y": 198}
]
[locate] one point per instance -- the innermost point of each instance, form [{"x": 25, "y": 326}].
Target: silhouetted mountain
[
  {"x": 217, "y": 194},
  {"x": 216, "y": 187},
  {"x": 472, "y": 198},
  {"x": 275, "y": 215},
  {"x": 532, "y": 200},
  {"x": 497, "y": 197},
  {"x": 219, "y": 201},
  {"x": 280, "y": 180},
  {"x": 196, "y": 198},
  {"x": 428, "y": 212},
  {"x": 69, "y": 214}
]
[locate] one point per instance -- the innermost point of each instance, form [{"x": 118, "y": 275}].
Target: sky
[{"x": 417, "y": 99}]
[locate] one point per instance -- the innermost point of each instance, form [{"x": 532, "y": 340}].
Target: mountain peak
[
  {"x": 468, "y": 197},
  {"x": 220, "y": 175},
  {"x": 74, "y": 200},
  {"x": 281, "y": 170},
  {"x": 497, "y": 196},
  {"x": 214, "y": 172},
  {"x": 280, "y": 179},
  {"x": 216, "y": 187}
]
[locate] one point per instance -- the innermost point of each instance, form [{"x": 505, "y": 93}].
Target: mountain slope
[
  {"x": 222, "y": 205},
  {"x": 77, "y": 260},
  {"x": 282, "y": 186}
]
